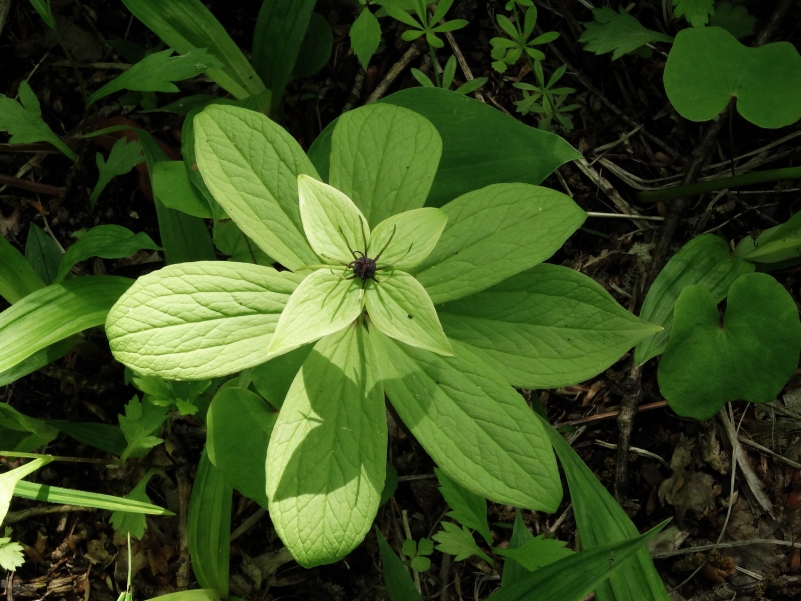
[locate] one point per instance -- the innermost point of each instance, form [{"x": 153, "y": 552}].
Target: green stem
[
  {"x": 722, "y": 183},
  {"x": 434, "y": 65}
]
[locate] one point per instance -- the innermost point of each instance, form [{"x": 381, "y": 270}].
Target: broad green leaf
[
  {"x": 327, "y": 455},
  {"x": 66, "y": 496},
  {"x": 707, "y": 66},
  {"x": 547, "y": 327},
  {"x": 106, "y": 241},
  {"x": 141, "y": 420},
  {"x": 390, "y": 484},
  {"x": 472, "y": 423},
  {"x": 324, "y": 303},
  {"x": 601, "y": 520},
  {"x": 124, "y": 156},
  {"x": 334, "y": 225},
  {"x": 575, "y": 577},
  {"x": 401, "y": 309},
  {"x": 157, "y": 72},
  {"x": 9, "y": 480},
  {"x": 191, "y": 595},
  {"x": 54, "y": 313},
  {"x": 773, "y": 245},
  {"x": 43, "y": 8},
  {"x": 749, "y": 355},
  {"x": 11, "y": 555},
  {"x": 705, "y": 260},
  {"x": 199, "y": 320},
  {"x": 184, "y": 237},
  {"x": 513, "y": 572},
  {"x": 384, "y": 157},
  {"x": 39, "y": 359},
  {"x": 365, "y": 36},
  {"x": 273, "y": 378},
  {"x": 251, "y": 166},
  {"x": 459, "y": 542},
  {"x": 124, "y": 522},
  {"x": 172, "y": 186},
  {"x": 209, "y": 527},
  {"x": 42, "y": 253},
  {"x": 36, "y": 432},
  {"x": 473, "y": 136},
  {"x": 24, "y": 121},
  {"x": 105, "y": 437},
  {"x": 17, "y": 278},
  {"x": 399, "y": 584},
  {"x": 734, "y": 19},
  {"x": 696, "y": 12},
  {"x": 407, "y": 238},
  {"x": 617, "y": 32},
  {"x": 315, "y": 51},
  {"x": 187, "y": 24},
  {"x": 239, "y": 424},
  {"x": 230, "y": 240},
  {"x": 537, "y": 552},
  {"x": 277, "y": 39},
  {"x": 495, "y": 233},
  {"x": 467, "y": 508}
]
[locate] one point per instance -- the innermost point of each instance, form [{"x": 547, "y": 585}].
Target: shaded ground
[{"x": 679, "y": 468}]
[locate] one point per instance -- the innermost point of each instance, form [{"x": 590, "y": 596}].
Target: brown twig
[
  {"x": 13, "y": 517},
  {"x": 26, "y": 184},
  {"x": 468, "y": 74},
  {"x": 411, "y": 53},
  {"x": 608, "y": 415}
]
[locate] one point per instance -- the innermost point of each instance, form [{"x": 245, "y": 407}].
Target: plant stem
[
  {"x": 434, "y": 65},
  {"x": 721, "y": 183}
]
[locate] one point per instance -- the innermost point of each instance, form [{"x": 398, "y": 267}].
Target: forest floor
[{"x": 631, "y": 139}]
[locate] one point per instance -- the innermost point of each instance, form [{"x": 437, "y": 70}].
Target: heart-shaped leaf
[
  {"x": 750, "y": 355},
  {"x": 707, "y": 66}
]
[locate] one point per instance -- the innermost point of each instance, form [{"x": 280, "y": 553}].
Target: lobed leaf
[
  {"x": 617, "y": 32},
  {"x": 124, "y": 156},
  {"x": 696, "y": 12},
  {"x": 467, "y": 508}
]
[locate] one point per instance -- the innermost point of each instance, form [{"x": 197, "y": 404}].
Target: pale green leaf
[
  {"x": 239, "y": 424},
  {"x": 705, "y": 260},
  {"x": 124, "y": 156},
  {"x": 157, "y": 72},
  {"x": 327, "y": 455},
  {"x": 467, "y": 508},
  {"x": 9, "y": 480},
  {"x": 191, "y": 595},
  {"x": 125, "y": 523},
  {"x": 333, "y": 225},
  {"x": 384, "y": 157},
  {"x": 106, "y": 241},
  {"x": 494, "y": 233},
  {"x": 407, "y": 238},
  {"x": 695, "y": 11},
  {"x": 25, "y": 124},
  {"x": 401, "y": 309},
  {"x": 172, "y": 186},
  {"x": 251, "y": 166},
  {"x": 54, "y": 313},
  {"x": 42, "y": 253},
  {"x": 208, "y": 527},
  {"x": 66, "y": 496},
  {"x": 365, "y": 36},
  {"x": 230, "y": 240},
  {"x": 324, "y": 303},
  {"x": 537, "y": 552},
  {"x": 472, "y": 423},
  {"x": 199, "y": 320},
  {"x": 273, "y": 378},
  {"x": 617, "y": 32},
  {"x": 140, "y": 421},
  {"x": 39, "y": 359},
  {"x": 547, "y": 327},
  {"x": 11, "y": 555},
  {"x": 399, "y": 584},
  {"x": 187, "y": 24},
  {"x": 601, "y": 521},
  {"x": 459, "y": 542},
  {"x": 17, "y": 277}
]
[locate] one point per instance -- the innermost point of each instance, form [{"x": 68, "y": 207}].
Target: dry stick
[
  {"x": 13, "y": 517},
  {"x": 184, "y": 492},
  {"x": 608, "y": 415},
  {"x": 730, "y": 545},
  {"x": 632, "y": 386},
  {"x": 26, "y": 184},
  {"x": 408, "y": 56},
  {"x": 463, "y": 63}
]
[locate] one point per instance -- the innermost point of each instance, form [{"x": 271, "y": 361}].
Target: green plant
[
  {"x": 545, "y": 100},
  {"x": 205, "y": 319},
  {"x": 448, "y": 74}
]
